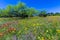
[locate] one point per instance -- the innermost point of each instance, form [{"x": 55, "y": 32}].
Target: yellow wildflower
[
  {"x": 38, "y": 37},
  {"x": 58, "y": 31},
  {"x": 42, "y": 38},
  {"x": 38, "y": 24},
  {"x": 46, "y": 30},
  {"x": 34, "y": 24}
]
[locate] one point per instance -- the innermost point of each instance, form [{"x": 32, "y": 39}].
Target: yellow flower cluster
[
  {"x": 58, "y": 31},
  {"x": 46, "y": 30},
  {"x": 37, "y": 24},
  {"x": 41, "y": 38}
]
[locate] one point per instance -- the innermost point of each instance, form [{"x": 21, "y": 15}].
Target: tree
[
  {"x": 57, "y": 14},
  {"x": 31, "y": 12},
  {"x": 9, "y": 10},
  {"x": 19, "y": 9},
  {"x": 43, "y": 14},
  {"x": 21, "y": 6},
  {"x": 25, "y": 11},
  {"x": 0, "y": 12}
]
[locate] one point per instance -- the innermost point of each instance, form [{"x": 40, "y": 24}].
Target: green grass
[{"x": 35, "y": 28}]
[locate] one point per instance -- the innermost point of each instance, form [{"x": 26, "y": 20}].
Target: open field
[{"x": 35, "y": 28}]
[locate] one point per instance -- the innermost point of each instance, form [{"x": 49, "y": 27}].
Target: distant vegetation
[{"x": 21, "y": 10}]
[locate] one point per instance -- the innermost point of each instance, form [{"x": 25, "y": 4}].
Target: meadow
[{"x": 34, "y": 28}]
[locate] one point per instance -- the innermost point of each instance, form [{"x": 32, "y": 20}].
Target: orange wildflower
[
  {"x": 11, "y": 29},
  {"x": 1, "y": 34}
]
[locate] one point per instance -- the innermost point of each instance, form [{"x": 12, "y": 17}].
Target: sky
[{"x": 48, "y": 5}]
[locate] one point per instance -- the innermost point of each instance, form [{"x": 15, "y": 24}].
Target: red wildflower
[
  {"x": 4, "y": 25},
  {"x": 8, "y": 23},
  {"x": 11, "y": 29}
]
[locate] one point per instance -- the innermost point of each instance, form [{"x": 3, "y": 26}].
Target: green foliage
[
  {"x": 31, "y": 11},
  {"x": 21, "y": 10},
  {"x": 57, "y": 14},
  {"x": 43, "y": 14}
]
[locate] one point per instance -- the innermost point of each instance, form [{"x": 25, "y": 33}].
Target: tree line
[{"x": 21, "y": 10}]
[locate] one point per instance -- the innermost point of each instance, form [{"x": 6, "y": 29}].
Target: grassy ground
[{"x": 35, "y": 28}]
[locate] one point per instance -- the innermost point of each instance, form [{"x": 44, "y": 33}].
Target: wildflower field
[{"x": 35, "y": 28}]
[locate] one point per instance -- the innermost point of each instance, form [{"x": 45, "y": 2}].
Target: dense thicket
[{"x": 21, "y": 10}]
